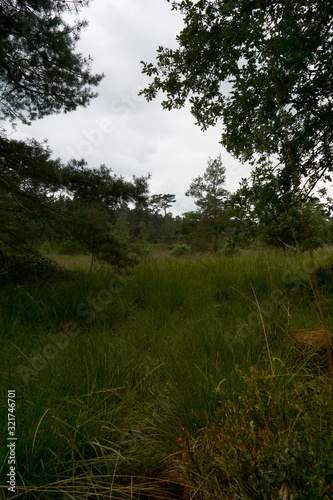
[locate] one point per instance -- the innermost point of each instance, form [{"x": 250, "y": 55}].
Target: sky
[{"x": 121, "y": 129}]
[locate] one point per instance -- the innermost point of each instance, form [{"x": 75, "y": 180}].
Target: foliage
[
  {"x": 250, "y": 448},
  {"x": 229, "y": 247},
  {"x": 210, "y": 197},
  {"x": 262, "y": 208},
  {"x": 40, "y": 72},
  {"x": 262, "y": 68},
  {"x": 162, "y": 202},
  {"x": 191, "y": 232},
  {"x": 148, "y": 224},
  {"x": 41, "y": 194},
  {"x": 180, "y": 248}
]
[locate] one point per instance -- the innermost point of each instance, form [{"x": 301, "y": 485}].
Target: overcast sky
[{"x": 120, "y": 129}]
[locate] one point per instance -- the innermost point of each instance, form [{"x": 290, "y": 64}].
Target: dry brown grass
[{"x": 310, "y": 340}]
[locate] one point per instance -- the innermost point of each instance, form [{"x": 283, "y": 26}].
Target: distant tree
[
  {"x": 193, "y": 233},
  {"x": 170, "y": 230},
  {"x": 210, "y": 197},
  {"x": 162, "y": 202},
  {"x": 147, "y": 223}
]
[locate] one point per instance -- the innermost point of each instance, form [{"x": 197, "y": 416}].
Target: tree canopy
[
  {"x": 40, "y": 71},
  {"x": 162, "y": 202},
  {"x": 263, "y": 68}
]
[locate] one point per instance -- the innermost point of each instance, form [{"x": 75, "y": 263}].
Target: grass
[{"x": 177, "y": 379}]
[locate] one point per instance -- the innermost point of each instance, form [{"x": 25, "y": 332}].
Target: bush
[
  {"x": 180, "y": 249},
  {"x": 142, "y": 248},
  {"x": 229, "y": 247}
]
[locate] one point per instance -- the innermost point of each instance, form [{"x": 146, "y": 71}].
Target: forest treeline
[
  {"x": 223, "y": 222},
  {"x": 49, "y": 207}
]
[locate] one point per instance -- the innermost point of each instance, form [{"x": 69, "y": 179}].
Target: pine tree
[{"x": 210, "y": 198}]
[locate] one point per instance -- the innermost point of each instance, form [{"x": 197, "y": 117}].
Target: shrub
[
  {"x": 180, "y": 249},
  {"x": 230, "y": 247},
  {"x": 141, "y": 248}
]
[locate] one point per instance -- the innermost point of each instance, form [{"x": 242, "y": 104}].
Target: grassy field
[{"x": 182, "y": 378}]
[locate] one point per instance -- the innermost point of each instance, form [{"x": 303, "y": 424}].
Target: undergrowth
[{"x": 177, "y": 379}]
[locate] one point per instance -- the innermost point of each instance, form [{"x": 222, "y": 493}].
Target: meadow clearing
[{"x": 184, "y": 377}]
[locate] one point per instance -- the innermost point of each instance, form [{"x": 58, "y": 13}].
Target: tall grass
[{"x": 164, "y": 374}]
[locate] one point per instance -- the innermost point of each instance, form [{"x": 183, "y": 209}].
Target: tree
[
  {"x": 32, "y": 190},
  {"x": 40, "y": 72},
  {"x": 261, "y": 210},
  {"x": 262, "y": 68},
  {"x": 210, "y": 197},
  {"x": 162, "y": 202}
]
